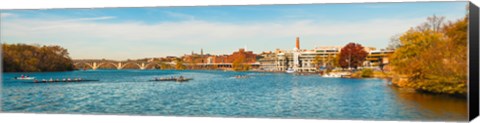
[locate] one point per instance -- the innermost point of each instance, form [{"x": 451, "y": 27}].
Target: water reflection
[{"x": 433, "y": 105}]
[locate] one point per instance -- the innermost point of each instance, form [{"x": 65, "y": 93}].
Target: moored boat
[
  {"x": 290, "y": 70},
  {"x": 332, "y": 75},
  {"x": 336, "y": 75}
]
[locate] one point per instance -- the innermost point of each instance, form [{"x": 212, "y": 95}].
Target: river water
[{"x": 220, "y": 94}]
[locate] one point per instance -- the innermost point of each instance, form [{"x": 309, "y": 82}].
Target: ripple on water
[{"x": 218, "y": 93}]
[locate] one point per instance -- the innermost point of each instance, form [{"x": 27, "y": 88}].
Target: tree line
[{"x": 35, "y": 58}]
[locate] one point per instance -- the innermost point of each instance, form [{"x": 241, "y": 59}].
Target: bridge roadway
[{"x": 94, "y": 65}]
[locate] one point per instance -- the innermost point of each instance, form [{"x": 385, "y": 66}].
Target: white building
[{"x": 302, "y": 60}]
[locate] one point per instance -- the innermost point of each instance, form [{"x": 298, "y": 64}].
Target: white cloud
[
  {"x": 92, "y": 19},
  {"x": 179, "y": 15},
  {"x": 88, "y": 39}
]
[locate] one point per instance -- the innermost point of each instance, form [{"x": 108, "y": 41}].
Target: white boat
[
  {"x": 336, "y": 75},
  {"x": 290, "y": 70},
  {"x": 24, "y": 78},
  {"x": 332, "y": 76}
]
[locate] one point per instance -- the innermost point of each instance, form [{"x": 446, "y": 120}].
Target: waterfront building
[
  {"x": 302, "y": 60},
  {"x": 306, "y": 60},
  {"x": 267, "y": 61},
  {"x": 221, "y": 61},
  {"x": 377, "y": 59},
  {"x": 317, "y": 59},
  {"x": 241, "y": 54}
]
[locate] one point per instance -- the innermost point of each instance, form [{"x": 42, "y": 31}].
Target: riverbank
[{"x": 430, "y": 86}]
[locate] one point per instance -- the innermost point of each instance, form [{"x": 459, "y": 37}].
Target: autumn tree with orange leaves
[{"x": 433, "y": 57}]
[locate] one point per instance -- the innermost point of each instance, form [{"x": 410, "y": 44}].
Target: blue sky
[{"x": 130, "y": 33}]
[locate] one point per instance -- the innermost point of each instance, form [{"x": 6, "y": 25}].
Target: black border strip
[{"x": 473, "y": 84}]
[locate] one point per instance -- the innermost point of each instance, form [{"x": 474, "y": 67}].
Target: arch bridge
[
  {"x": 119, "y": 65},
  {"x": 94, "y": 65}
]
